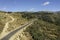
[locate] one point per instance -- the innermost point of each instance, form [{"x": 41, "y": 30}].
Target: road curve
[
  {"x": 13, "y": 32},
  {"x": 6, "y": 26}
]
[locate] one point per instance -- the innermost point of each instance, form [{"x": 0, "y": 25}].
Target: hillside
[
  {"x": 47, "y": 27},
  {"x": 11, "y": 21}
]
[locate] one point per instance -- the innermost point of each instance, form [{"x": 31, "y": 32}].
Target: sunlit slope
[
  {"x": 3, "y": 19},
  {"x": 12, "y": 20},
  {"x": 47, "y": 27}
]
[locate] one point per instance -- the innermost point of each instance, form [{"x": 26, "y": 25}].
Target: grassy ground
[
  {"x": 47, "y": 27},
  {"x": 42, "y": 30},
  {"x": 18, "y": 21},
  {"x": 5, "y": 17}
]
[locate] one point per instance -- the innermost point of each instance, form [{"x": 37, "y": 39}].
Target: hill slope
[{"x": 47, "y": 27}]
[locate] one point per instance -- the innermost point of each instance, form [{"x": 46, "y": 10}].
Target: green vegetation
[
  {"x": 47, "y": 27},
  {"x": 42, "y": 30}
]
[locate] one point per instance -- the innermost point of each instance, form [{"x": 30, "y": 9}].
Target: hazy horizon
[{"x": 29, "y": 5}]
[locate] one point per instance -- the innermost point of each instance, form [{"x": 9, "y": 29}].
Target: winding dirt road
[
  {"x": 6, "y": 26},
  {"x": 9, "y": 35}
]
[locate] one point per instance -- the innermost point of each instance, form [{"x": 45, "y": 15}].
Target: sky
[{"x": 30, "y": 5}]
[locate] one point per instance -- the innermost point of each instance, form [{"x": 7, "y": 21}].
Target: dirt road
[
  {"x": 6, "y": 26},
  {"x": 8, "y": 36}
]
